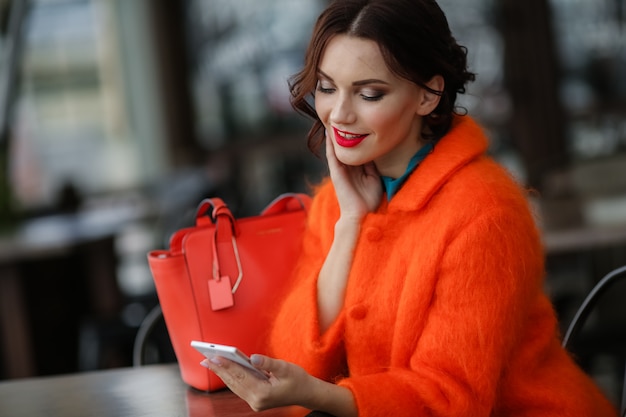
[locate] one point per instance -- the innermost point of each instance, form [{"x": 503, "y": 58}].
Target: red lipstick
[{"x": 350, "y": 141}]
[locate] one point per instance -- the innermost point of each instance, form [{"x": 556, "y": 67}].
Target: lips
[{"x": 347, "y": 139}]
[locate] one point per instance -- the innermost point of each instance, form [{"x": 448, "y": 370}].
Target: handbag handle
[
  {"x": 207, "y": 213},
  {"x": 287, "y": 202},
  {"x": 282, "y": 203},
  {"x": 210, "y": 210},
  {"x": 215, "y": 211}
]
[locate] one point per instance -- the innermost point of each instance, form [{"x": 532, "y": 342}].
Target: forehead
[{"x": 354, "y": 58}]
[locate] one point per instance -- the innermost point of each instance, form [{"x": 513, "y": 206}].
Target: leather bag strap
[
  {"x": 287, "y": 202},
  {"x": 215, "y": 211}
]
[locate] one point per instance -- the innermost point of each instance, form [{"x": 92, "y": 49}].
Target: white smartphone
[{"x": 229, "y": 352}]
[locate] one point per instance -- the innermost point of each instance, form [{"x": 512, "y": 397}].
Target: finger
[
  {"x": 269, "y": 366},
  {"x": 230, "y": 372},
  {"x": 263, "y": 363},
  {"x": 259, "y": 361},
  {"x": 334, "y": 166},
  {"x": 330, "y": 150}
]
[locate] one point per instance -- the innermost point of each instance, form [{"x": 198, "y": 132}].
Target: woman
[{"x": 419, "y": 290}]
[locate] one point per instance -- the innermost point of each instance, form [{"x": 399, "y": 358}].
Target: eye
[
  {"x": 371, "y": 95},
  {"x": 325, "y": 87}
]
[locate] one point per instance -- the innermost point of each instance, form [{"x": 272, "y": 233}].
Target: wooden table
[{"x": 152, "y": 390}]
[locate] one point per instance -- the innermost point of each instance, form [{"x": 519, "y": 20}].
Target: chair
[
  {"x": 585, "y": 309},
  {"x": 152, "y": 333}
]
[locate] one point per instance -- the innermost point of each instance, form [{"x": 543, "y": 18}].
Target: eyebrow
[{"x": 355, "y": 83}]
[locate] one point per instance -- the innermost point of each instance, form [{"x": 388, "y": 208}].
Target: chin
[{"x": 353, "y": 162}]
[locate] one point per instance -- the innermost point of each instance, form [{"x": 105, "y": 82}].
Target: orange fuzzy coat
[{"x": 444, "y": 312}]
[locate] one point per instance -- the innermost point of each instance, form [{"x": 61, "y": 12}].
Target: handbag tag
[{"x": 221, "y": 293}]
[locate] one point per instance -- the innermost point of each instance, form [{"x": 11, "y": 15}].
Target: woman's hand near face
[
  {"x": 358, "y": 188},
  {"x": 288, "y": 385}
]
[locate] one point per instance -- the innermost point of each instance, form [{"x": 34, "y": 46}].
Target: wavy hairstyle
[{"x": 416, "y": 44}]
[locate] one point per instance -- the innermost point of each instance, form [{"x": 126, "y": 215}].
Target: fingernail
[
  {"x": 215, "y": 360},
  {"x": 204, "y": 363},
  {"x": 256, "y": 360}
]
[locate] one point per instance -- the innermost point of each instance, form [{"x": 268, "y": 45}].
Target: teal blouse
[{"x": 392, "y": 185}]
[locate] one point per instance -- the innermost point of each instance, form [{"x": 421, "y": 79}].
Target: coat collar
[{"x": 462, "y": 144}]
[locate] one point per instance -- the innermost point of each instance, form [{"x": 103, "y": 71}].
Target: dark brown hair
[{"x": 415, "y": 41}]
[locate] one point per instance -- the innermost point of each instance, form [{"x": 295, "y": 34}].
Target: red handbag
[{"x": 221, "y": 279}]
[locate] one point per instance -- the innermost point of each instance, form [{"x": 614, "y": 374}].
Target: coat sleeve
[
  {"x": 488, "y": 275},
  {"x": 295, "y": 335}
]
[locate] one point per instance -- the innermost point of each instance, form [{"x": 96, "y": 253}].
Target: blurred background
[{"x": 118, "y": 116}]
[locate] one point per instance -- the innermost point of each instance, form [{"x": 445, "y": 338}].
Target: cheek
[
  {"x": 398, "y": 117},
  {"x": 323, "y": 107},
  {"x": 382, "y": 119}
]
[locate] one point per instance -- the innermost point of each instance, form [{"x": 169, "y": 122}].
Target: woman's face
[{"x": 369, "y": 113}]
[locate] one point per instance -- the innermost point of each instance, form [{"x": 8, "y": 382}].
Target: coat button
[
  {"x": 358, "y": 312},
  {"x": 373, "y": 234}
]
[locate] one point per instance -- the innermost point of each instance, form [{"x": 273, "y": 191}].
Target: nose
[{"x": 342, "y": 111}]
